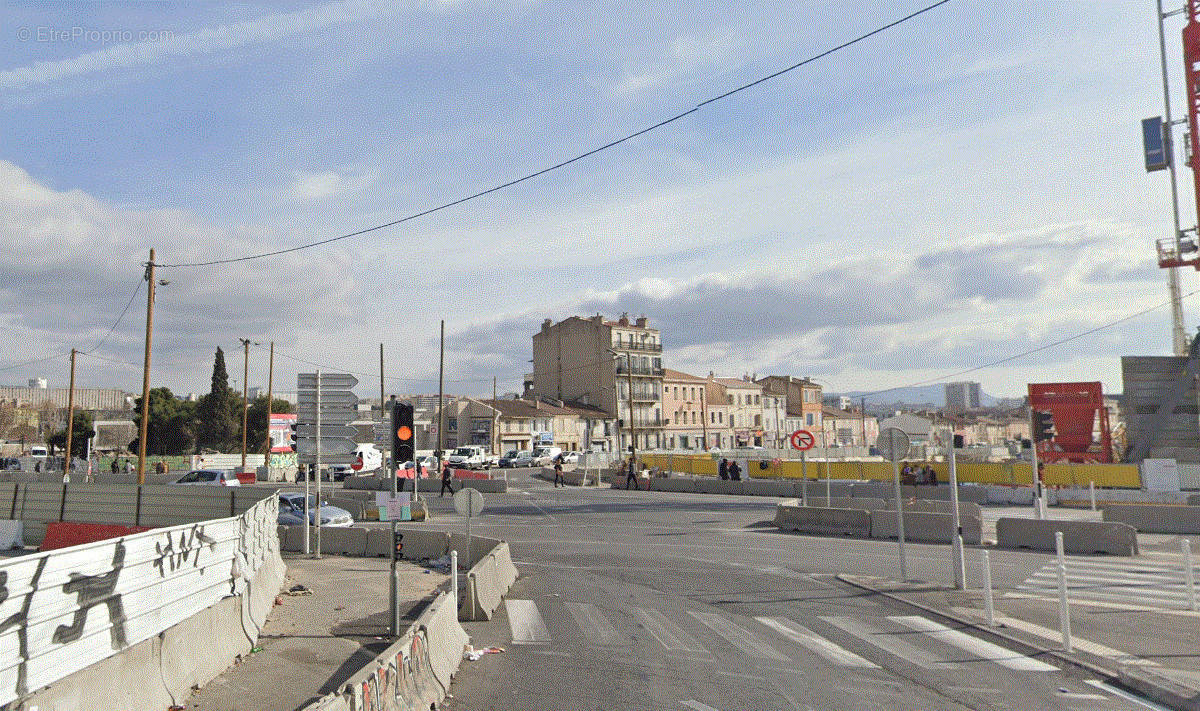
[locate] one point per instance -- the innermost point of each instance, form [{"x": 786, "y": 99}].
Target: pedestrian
[
  {"x": 723, "y": 468},
  {"x": 114, "y": 465},
  {"x": 128, "y": 466},
  {"x": 932, "y": 476},
  {"x": 158, "y": 467},
  {"x": 735, "y": 471},
  {"x": 558, "y": 469},
  {"x": 447, "y": 478},
  {"x": 631, "y": 474},
  {"x": 37, "y": 466}
]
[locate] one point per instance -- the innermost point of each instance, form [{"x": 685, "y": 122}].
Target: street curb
[{"x": 1158, "y": 689}]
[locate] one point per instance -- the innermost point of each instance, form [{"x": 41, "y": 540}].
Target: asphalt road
[{"x": 645, "y": 600}]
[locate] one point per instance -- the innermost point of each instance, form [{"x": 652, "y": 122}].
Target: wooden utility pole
[
  {"x": 141, "y": 468},
  {"x": 245, "y": 396},
  {"x": 70, "y": 414},
  {"x": 270, "y": 403}
]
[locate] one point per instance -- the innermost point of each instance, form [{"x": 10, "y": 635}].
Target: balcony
[
  {"x": 639, "y": 370},
  {"x": 639, "y": 347}
]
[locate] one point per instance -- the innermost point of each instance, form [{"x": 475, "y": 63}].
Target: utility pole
[
  {"x": 1178, "y": 337},
  {"x": 245, "y": 396},
  {"x": 270, "y": 406},
  {"x": 141, "y": 468},
  {"x": 441, "y": 397},
  {"x": 70, "y": 415},
  {"x": 496, "y": 422}
]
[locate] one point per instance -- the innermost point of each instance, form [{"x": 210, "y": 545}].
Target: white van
[
  {"x": 372, "y": 458},
  {"x": 39, "y": 450}
]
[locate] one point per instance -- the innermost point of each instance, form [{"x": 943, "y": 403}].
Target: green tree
[
  {"x": 256, "y": 427},
  {"x": 219, "y": 413},
  {"x": 83, "y": 430},
  {"x": 172, "y": 426}
]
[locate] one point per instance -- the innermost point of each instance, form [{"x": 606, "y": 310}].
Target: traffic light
[
  {"x": 403, "y": 445},
  {"x": 958, "y": 441},
  {"x": 397, "y": 545},
  {"x": 1043, "y": 426},
  {"x": 292, "y": 436}
]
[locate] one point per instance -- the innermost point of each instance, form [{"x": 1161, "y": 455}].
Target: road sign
[
  {"x": 329, "y": 445},
  {"x": 329, "y": 416},
  {"x": 803, "y": 440},
  {"x": 329, "y": 398},
  {"x": 893, "y": 444},
  {"x": 468, "y": 502},
  {"x": 329, "y": 381},
  {"x": 308, "y": 430},
  {"x": 357, "y": 464}
]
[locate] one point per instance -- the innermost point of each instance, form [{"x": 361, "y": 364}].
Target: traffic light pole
[
  {"x": 317, "y": 503},
  {"x": 1033, "y": 460}
]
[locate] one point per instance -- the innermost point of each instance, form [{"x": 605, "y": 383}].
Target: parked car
[
  {"x": 506, "y": 461},
  {"x": 208, "y": 477},
  {"x": 292, "y": 512},
  {"x": 544, "y": 456},
  {"x": 428, "y": 464},
  {"x": 570, "y": 457},
  {"x": 524, "y": 458},
  {"x": 470, "y": 456}
]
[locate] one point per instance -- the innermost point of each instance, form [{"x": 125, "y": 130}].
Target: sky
[{"x": 962, "y": 188}]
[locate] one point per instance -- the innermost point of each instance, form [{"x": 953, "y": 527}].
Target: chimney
[
  {"x": 641, "y": 322},
  {"x": 546, "y": 325},
  {"x": 624, "y": 320}
]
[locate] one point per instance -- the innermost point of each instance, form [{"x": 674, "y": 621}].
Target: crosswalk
[
  {"x": 1154, "y": 581},
  {"x": 861, "y": 642}
]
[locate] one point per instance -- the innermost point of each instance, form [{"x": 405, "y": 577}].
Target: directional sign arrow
[
  {"x": 332, "y": 415},
  {"x": 308, "y": 430},
  {"x": 328, "y": 397},
  {"x": 330, "y": 445},
  {"x": 335, "y": 381}
]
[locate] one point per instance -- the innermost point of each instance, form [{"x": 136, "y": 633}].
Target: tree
[
  {"x": 172, "y": 426},
  {"x": 83, "y": 430},
  {"x": 219, "y": 413},
  {"x": 256, "y": 424}
]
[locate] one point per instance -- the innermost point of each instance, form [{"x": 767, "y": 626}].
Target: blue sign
[{"x": 1152, "y": 141}]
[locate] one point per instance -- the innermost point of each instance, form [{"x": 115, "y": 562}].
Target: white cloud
[
  {"x": 310, "y": 187},
  {"x": 685, "y": 56}
]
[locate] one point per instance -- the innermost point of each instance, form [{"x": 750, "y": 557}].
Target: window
[
  {"x": 721, "y": 417},
  {"x": 758, "y": 399},
  {"x": 810, "y": 419},
  {"x": 693, "y": 417}
]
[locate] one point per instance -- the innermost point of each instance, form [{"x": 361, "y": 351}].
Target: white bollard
[
  {"x": 988, "y": 605},
  {"x": 960, "y": 564},
  {"x": 1092, "y": 493},
  {"x": 454, "y": 576},
  {"x": 1064, "y": 612},
  {"x": 1186, "y": 545}
]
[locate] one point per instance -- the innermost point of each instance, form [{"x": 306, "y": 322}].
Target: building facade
[
  {"x": 744, "y": 399},
  {"x": 594, "y": 362},
  {"x": 962, "y": 397},
  {"x": 803, "y": 401}
]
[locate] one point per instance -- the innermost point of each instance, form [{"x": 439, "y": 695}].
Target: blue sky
[{"x": 958, "y": 189}]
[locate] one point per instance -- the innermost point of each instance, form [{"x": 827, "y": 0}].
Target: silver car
[
  {"x": 292, "y": 509},
  {"x": 208, "y": 477}
]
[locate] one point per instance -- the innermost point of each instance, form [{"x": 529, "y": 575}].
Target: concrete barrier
[
  {"x": 926, "y": 526},
  {"x": 762, "y": 487},
  {"x": 1149, "y": 518},
  {"x": 487, "y": 583},
  {"x": 677, "y": 486},
  {"x": 718, "y": 486},
  {"x": 824, "y": 521},
  {"x": 356, "y": 506},
  {"x": 856, "y": 502},
  {"x": 1079, "y": 537},
  {"x": 445, "y": 636},
  {"x": 12, "y": 534}
]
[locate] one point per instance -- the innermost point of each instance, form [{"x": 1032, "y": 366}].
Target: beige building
[
  {"x": 692, "y": 406},
  {"x": 745, "y": 415},
  {"x": 802, "y": 398},
  {"x": 592, "y": 362},
  {"x": 844, "y": 428}
]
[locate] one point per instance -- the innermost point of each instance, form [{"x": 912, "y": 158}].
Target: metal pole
[
  {"x": 454, "y": 576},
  {"x": 441, "y": 400},
  {"x": 988, "y": 604},
  {"x": 1092, "y": 493},
  {"x": 71, "y": 415},
  {"x": 384, "y": 416},
  {"x": 307, "y": 532},
  {"x": 803, "y": 477},
  {"x": 825, "y": 452},
  {"x": 899, "y": 520},
  {"x": 960, "y": 573},
  {"x": 317, "y": 506},
  {"x": 1033, "y": 461},
  {"x": 141, "y": 468},
  {"x": 1178, "y": 337},
  {"x": 1189, "y": 574},
  {"x": 1064, "y": 612},
  {"x": 270, "y": 407},
  {"x": 246, "y": 397}
]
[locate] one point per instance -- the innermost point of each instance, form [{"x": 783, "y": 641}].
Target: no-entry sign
[{"x": 803, "y": 440}]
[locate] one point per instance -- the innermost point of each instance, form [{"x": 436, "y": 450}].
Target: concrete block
[
  {"x": 1150, "y": 518},
  {"x": 824, "y": 521},
  {"x": 856, "y": 502},
  {"x": 926, "y": 526},
  {"x": 1079, "y": 537},
  {"x": 12, "y": 534},
  {"x": 422, "y": 544},
  {"x": 197, "y": 650},
  {"x": 445, "y": 636},
  {"x": 342, "y": 541},
  {"x": 718, "y": 486},
  {"x": 356, "y": 506},
  {"x": 678, "y": 486},
  {"x": 760, "y": 487}
]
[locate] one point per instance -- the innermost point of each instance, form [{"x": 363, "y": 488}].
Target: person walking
[
  {"x": 631, "y": 474},
  {"x": 932, "y": 476},
  {"x": 558, "y": 469},
  {"x": 735, "y": 471},
  {"x": 447, "y": 478},
  {"x": 128, "y": 466},
  {"x": 114, "y": 465},
  {"x": 723, "y": 468}
]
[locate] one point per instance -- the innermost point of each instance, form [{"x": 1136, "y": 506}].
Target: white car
[
  {"x": 208, "y": 477},
  {"x": 570, "y": 457}
]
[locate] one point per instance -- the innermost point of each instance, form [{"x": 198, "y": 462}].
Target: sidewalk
[
  {"x": 312, "y": 643},
  {"x": 1155, "y": 653}
]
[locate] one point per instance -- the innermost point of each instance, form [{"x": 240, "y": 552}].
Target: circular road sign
[
  {"x": 803, "y": 440},
  {"x": 357, "y": 465},
  {"x": 468, "y": 502},
  {"x": 893, "y": 444}
]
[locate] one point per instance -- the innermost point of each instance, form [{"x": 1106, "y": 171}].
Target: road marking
[
  {"x": 598, "y": 630},
  {"x": 743, "y": 639},
  {"x": 890, "y": 643},
  {"x": 1080, "y": 644},
  {"x": 697, "y": 706},
  {"x": 973, "y": 645},
  {"x": 668, "y": 634},
  {"x": 1101, "y": 603},
  {"x": 526, "y": 622},
  {"x": 816, "y": 644},
  {"x": 1121, "y": 693}
]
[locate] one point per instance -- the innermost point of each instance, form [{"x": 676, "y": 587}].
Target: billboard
[
  {"x": 1081, "y": 428},
  {"x": 281, "y": 431},
  {"x": 1153, "y": 144}
]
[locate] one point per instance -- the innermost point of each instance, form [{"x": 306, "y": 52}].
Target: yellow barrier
[{"x": 1121, "y": 476}]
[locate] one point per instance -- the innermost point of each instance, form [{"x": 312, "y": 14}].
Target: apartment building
[
  {"x": 594, "y": 362},
  {"x": 744, "y": 398},
  {"x": 848, "y": 428},
  {"x": 526, "y": 424},
  {"x": 802, "y": 398},
  {"x": 962, "y": 397},
  {"x": 695, "y": 412}
]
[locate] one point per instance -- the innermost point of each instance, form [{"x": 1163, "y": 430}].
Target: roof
[
  {"x": 669, "y": 374},
  {"x": 532, "y": 408},
  {"x": 738, "y": 383}
]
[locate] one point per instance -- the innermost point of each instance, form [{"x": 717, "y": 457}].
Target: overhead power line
[{"x": 569, "y": 161}]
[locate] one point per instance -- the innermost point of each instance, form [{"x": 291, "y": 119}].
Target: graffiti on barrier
[
  {"x": 174, "y": 553},
  {"x": 92, "y": 591}
]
